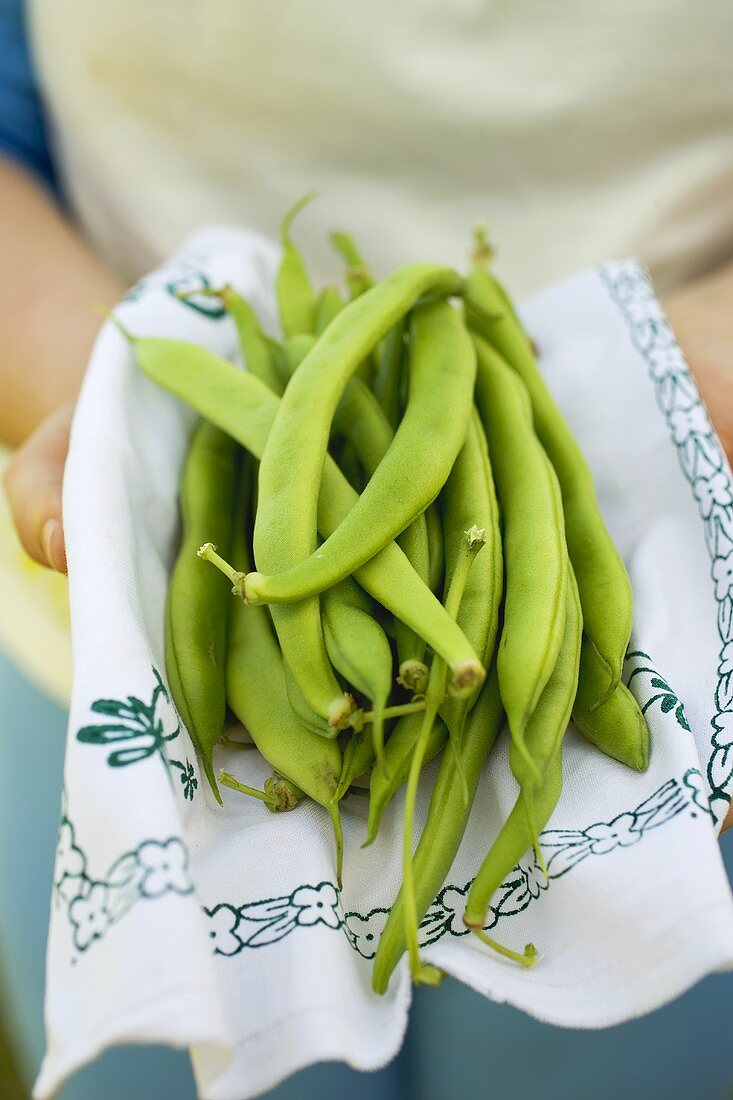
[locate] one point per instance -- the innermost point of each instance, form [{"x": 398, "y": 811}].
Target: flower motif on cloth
[
  {"x": 317, "y": 905},
  {"x": 535, "y": 878},
  {"x": 723, "y": 736},
  {"x": 453, "y": 901},
  {"x": 725, "y": 668},
  {"x": 703, "y": 464},
  {"x": 712, "y": 491},
  {"x": 619, "y": 833},
  {"x": 223, "y": 920},
  {"x": 70, "y": 863},
  {"x": 363, "y": 932},
  {"x": 89, "y": 916},
  {"x": 688, "y": 422},
  {"x": 165, "y": 868},
  {"x": 723, "y": 575}
]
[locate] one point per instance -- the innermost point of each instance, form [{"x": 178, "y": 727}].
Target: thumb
[{"x": 33, "y": 481}]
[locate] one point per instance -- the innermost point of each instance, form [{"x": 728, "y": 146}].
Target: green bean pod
[
  {"x": 445, "y": 825},
  {"x": 436, "y": 547},
  {"x": 535, "y": 553},
  {"x": 361, "y": 421},
  {"x": 388, "y": 373},
  {"x": 358, "y": 758},
  {"x": 328, "y": 305},
  {"x": 605, "y": 590},
  {"x": 359, "y": 650},
  {"x": 413, "y": 672},
  {"x": 296, "y": 298},
  {"x": 358, "y": 278},
  {"x": 363, "y": 424},
  {"x": 292, "y": 462},
  {"x": 256, "y": 348},
  {"x": 258, "y": 696},
  {"x": 470, "y": 497},
  {"x": 197, "y": 608},
  {"x": 545, "y": 733},
  {"x": 442, "y": 374},
  {"x": 242, "y": 406},
  {"x": 617, "y": 726},
  {"x": 384, "y": 784}
]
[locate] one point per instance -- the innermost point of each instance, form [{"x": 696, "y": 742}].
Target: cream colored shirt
[{"x": 580, "y": 131}]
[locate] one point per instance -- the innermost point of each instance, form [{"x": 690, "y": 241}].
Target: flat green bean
[
  {"x": 197, "y": 609},
  {"x": 471, "y": 545},
  {"x": 537, "y": 799},
  {"x": 617, "y": 726},
  {"x": 328, "y": 305},
  {"x": 388, "y": 372},
  {"x": 469, "y": 496},
  {"x": 258, "y": 696},
  {"x": 605, "y": 590},
  {"x": 359, "y": 650},
  {"x": 535, "y": 553},
  {"x": 256, "y": 348}
]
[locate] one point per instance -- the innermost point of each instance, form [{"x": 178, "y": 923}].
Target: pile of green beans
[{"x": 417, "y": 556}]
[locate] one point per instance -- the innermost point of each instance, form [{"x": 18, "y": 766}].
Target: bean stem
[
  {"x": 208, "y": 553},
  {"x": 228, "y": 780},
  {"x": 527, "y": 959}
]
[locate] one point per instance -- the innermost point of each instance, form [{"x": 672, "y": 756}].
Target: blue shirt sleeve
[{"x": 22, "y": 125}]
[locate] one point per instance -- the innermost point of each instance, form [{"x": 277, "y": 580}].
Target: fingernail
[{"x": 48, "y": 534}]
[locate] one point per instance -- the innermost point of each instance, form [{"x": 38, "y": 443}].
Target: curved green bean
[
  {"x": 358, "y": 278},
  {"x": 442, "y": 373},
  {"x": 243, "y": 407},
  {"x": 296, "y": 298},
  {"x": 292, "y": 463}
]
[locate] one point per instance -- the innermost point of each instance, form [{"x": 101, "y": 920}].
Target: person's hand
[
  {"x": 49, "y": 278},
  {"x": 702, "y": 318},
  {"x": 33, "y": 480}
]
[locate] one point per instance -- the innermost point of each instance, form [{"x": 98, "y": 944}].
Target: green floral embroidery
[
  {"x": 706, "y": 469},
  {"x": 184, "y": 276},
  {"x": 140, "y": 731},
  {"x": 233, "y": 928},
  {"x": 664, "y": 696},
  {"x": 153, "y": 869}
]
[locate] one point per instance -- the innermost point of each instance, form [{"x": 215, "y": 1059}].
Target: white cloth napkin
[{"x": 176, "y": 921}]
